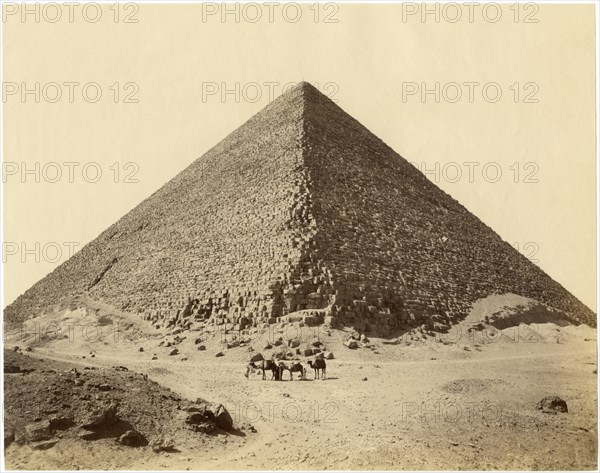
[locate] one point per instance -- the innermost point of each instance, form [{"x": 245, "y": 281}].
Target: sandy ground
[{"x": 465, "y": 400}]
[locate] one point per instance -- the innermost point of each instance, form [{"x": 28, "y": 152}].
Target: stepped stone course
[{"x": 301, "y": 214}]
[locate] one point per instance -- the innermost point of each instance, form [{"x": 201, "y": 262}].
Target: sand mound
[
  {"x": 471, "y": 386},
  {"x": 46, "y": 402},
  {"x": 509, "y": 310}
]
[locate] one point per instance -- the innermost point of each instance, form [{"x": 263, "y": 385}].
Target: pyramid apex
[
  {"x": 304, "y": 85},
  {"x": 304, "y": 88}
]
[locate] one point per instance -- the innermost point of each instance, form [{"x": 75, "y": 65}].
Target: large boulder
[
  {"x": 222, "y": 418},
  {"x": 132, "y": 438},
  {"x": 214, "y": 412},
  {"x": 36, "y": 431},
  {"x": 294, "y": 343},
  {"x": 552, "y": 405},
  {"x": 103, "y": 415},
  {"x": 162, "y": 444},
  {"x": 352, "y": 344}
]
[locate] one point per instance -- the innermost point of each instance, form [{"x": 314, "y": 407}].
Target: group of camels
[{"x": 319, "y": 366}]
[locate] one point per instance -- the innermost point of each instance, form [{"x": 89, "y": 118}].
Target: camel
[
  {"x": 319, "y": 365},
  {"x": 264, "y": 365},
  {"x": 293, "y": 368}
]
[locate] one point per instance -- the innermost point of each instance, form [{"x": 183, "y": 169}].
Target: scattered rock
[
  {"x": 201, "y": 347},
  {"x": 61, "y": 422},
  {"x": 365, "y": 379},
  {"x": 141, "y": 349},
  {"x": 552, "y": 405},
  {"x": 220, "y": 354},
  {"x": 87, "y": 435},
  {"x": 163, "y": 444},
  {"x": 132, "y": 438},
  {"x": 203, "y": 427},
  {"x": 441, "y": 328},
  {"x": 44, "y": 445},
  {"x": 352, "y": 344},
  {"x": 9, "y": 436},
  {"x": 173, "y": 352}
]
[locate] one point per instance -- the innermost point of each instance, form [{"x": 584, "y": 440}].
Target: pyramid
[{"x": 299, "y": 214}]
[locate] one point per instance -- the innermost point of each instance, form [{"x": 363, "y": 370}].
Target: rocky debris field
[{"x": 46, "y": 403}]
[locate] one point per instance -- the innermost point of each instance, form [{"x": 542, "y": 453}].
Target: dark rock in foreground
[{"x": 552, "y": 405}]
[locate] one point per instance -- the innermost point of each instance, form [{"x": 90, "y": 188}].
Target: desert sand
[{"x": 461, "y": 400}]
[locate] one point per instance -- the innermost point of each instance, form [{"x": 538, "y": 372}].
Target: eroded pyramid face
[{"x": 300, "y": 212}]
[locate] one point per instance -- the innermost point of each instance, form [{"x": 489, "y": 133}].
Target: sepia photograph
[{"x": 299, "y": 236}]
